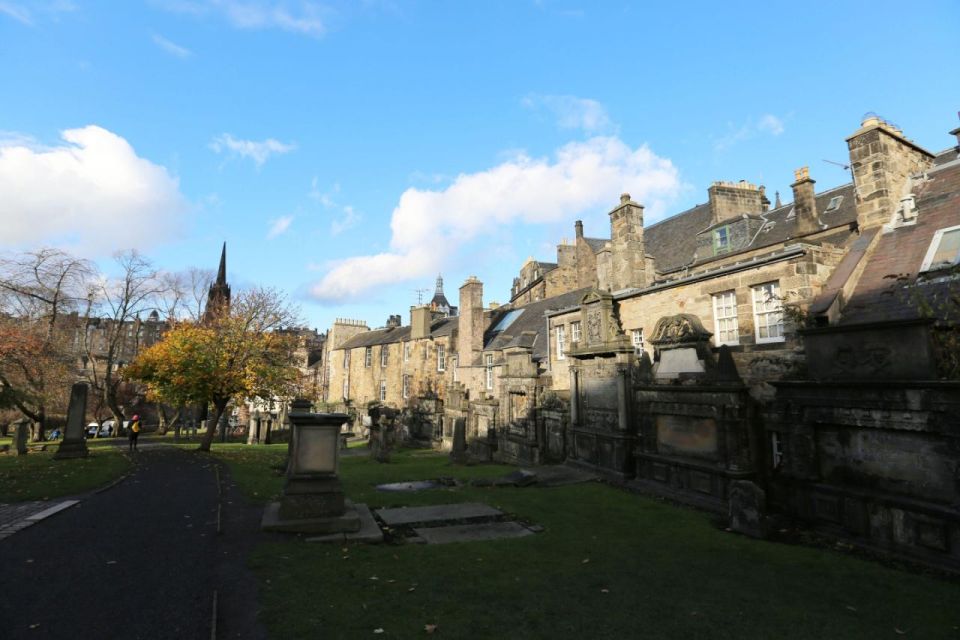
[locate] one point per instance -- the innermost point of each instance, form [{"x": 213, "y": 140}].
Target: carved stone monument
[
  {"x": 313, "y": 499},
  {"x": 74, "y": 444},
  {"x": 683, "y": 347},
  {"x": 21, "y": 432},
  {"x": 458, "y": 452},
  {"x": 748, "y": 509}
]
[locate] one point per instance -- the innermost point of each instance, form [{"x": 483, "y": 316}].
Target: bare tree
[
  {"x": 113, "y": 338},
  {"x": 39, "y": 295}
]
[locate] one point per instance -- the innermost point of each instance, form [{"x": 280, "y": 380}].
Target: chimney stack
[
  {"x": 420, "y": 318},
  {"x": 804, "y": 203},
  {"x": 730, "y": 200},
  {"x": 471, "y": 327},
  {"x": 578, "y": 227},
  {"x": 882, "y": 160},
  {"x": 627, "y": 265}
]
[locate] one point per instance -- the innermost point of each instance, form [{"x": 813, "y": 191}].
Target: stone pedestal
[
  {"x": 74, "y": 444},
  {"x": 313, "y": 499}
]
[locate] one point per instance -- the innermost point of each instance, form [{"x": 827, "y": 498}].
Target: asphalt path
[{"x": 142, "y": 559}]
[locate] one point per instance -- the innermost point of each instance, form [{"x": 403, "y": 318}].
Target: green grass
[
  {"x": 37, "y": 476},
  {"x": 609, "y": 564}
]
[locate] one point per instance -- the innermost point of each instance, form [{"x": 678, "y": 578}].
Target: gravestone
[
  {"x": 21, "y": 432},
  {"x": 74, "y": 444},
  {"x": 458, "y": 452},
  {"x": 748, "y": 509}
]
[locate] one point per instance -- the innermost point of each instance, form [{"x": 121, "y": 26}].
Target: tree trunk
[{"x": 219, "y": 407}]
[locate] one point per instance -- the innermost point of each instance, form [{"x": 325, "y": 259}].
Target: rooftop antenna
[
  {"x": 847, "y": 167},
  {"x": 420, "y": 293}
]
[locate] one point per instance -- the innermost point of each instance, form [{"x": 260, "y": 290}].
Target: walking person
[{"x": 134, "y": 432}]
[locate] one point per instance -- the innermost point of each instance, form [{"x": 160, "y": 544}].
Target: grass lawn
[
  {"x": 37, "y": 476},
  {"x": 609, "y": 564}
]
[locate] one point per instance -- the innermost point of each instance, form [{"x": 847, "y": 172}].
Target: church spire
[
  {"x": 222, "y": 271},
  {"x": 218, "y": 298},
  {"x": 439, "y": 289}
]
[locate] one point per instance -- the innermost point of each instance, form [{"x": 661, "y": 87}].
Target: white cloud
[
  {"x": 171, "y": 47},
  {"x": 259, "y": 152},
  {"x": 22, "y": 14},
  {"x": 279, "y": 226},
  {"x": 572, "y": 112},
  {"x": 350, "y": 216},
  {"x": 303, "y": 17},
  {"x": 92, "y": 193},
  {"x": 770, "y": 124},
  {"x": 767, "y": 124},
  {"x": 350, "y": 219},
  {"x": 429, "y": 226},
  {"x": 17, "y": 12}
]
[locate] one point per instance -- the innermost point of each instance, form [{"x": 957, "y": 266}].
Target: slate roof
[
  {"x": 673, "y": 242},
  {"x": 532, "y": 320},
  {"x": 377, "y": 336},
  {"x": 947, "y": 155},
  {"x": 879, "y": 297},
  {"x": 596, "y": 244}
]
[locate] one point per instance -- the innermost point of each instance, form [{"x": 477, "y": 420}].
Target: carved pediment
[{"x": 682, "y": 328}]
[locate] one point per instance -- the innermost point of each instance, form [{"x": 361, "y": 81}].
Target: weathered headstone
[
  {"x": 748, "y": 509},
  {"x": 458, "y": 452},
  {"x": 74, "y": 444},
  {"x": 21, "y": 432}
]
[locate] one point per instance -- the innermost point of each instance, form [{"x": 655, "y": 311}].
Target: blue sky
[{"x": 347, "y": 152}]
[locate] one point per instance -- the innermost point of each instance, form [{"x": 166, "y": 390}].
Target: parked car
[{"x": 95, "y": 430}]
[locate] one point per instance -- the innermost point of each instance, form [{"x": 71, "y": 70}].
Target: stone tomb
[{"x": 445, "y": 523}]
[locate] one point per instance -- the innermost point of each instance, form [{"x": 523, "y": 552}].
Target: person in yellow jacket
[{"x": 134, "y": 432}]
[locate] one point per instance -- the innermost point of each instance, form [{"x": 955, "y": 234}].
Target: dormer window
[
  {"x": 944, "y": 250},
  {"x": 834, "y": 204},
  {"x": 721, "y": 241}
]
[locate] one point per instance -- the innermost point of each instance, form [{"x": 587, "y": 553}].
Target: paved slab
[
  {"x": 369, "y": 530},
  {"x": 473, "y": 532},
  {"x": 437, "y": 513},
  {"x": 418, "y": 485}
]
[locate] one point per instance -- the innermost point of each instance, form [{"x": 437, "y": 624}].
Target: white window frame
[
  {"x": 406, "y": 351},
  {"x": 720, "y": 302},
  {"x": 776, "y": 449},
  {"x": 384, "y": 355},
  {"x": 405, "y": 386},
  {"x": 636, "y": 339},
  {"x": 575, "y": 334},
  {"x": 934, "y": 245},
  {"x": 383, "y": 391},
  {"x": 757, "y": 312},
  {"x": 441, "y": 358},
  {"x": 561, "y": 331},
  {"x": 367, "y": 357},
  {"x": 489, "y": 372}
]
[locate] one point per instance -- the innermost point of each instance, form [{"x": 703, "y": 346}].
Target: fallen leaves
[{"x": 429, "y": 628}]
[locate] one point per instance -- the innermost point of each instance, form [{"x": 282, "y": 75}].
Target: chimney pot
[{"x": 624, "y": 198}]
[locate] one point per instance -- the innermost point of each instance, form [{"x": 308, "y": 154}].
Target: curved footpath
[{"x": 142, "y": 559}]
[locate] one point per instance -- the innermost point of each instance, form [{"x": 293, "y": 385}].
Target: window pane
[{"x": 948, "y": 249}]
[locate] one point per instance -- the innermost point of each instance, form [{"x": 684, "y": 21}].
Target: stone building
[{"x": 797, "y": 359}]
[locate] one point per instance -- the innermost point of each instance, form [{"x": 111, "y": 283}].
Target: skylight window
[
  {"x": 508, "y": 320},
  {"x": 835, "y": 202},
  {"x": 944, "y": 250}
]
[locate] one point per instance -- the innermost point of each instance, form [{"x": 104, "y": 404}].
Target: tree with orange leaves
[{"x": 236, "y": 355}]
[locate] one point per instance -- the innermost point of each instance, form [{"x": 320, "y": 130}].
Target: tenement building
[{"x": 773, "y": 362}]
